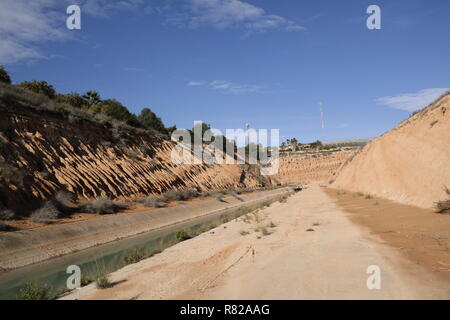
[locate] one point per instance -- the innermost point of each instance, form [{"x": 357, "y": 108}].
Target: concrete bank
[{"x": 22, "y": 248}]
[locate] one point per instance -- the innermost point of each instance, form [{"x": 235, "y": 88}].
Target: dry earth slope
[
  {"x": 409, "y": 164},
  {"x": 41, "y": 154}
]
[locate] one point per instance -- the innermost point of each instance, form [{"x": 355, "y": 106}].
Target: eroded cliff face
[
  {"x": 409, "y": 164},
  {"x": 41, "y": 155},
  {"x": 303, "y": 168}
]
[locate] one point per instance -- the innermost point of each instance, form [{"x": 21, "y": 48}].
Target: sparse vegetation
[
  {"x": 244, "y": 233},
  {"x": 188, "y": 194},
  {"x": 172, "y": 195},
  {"x": 4, "y": 76},
  {"x": 153, "y": 202},
  {"x": 103, "y": 206},
  {"x": 136, "y": 256},
  {"x": 6, "y": 214},
  {"x": 33, "y": 291},
  {"x": 46, "y": 213},
  {"x": 41, "y": 87},
  {"x": 182, "y": 235},
  {"x": 263, "y": 230},
  {"x": 64, "y": 198},
  {"x": 40, "y": 95},
  {"x": 102, "y": 281},
  {"x": 368, "y": 196},
  {"x": 85, "y": 281},
  {"x": 271, "y": 225},
  {"x": 443, "y": 206}
]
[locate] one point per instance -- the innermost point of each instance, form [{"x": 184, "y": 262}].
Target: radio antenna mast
[{"x": 321, "y": 119}]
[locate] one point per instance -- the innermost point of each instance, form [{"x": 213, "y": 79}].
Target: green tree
[
  {"x": 114, "y": 109},
  {"x": 318, "y": 144},
  {"x": 91, "y": 98},
  {"x": 4, "y": 76},
  {"x": 171, "y": 129},
  {"x": 41, "y": 87},
  {"x": 74, "y": 99},
  {"x": 149, "y": 120},
  {"x": 199, "y": 128}
]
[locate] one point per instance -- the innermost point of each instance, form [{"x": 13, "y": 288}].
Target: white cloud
[
  {"x": 223, "y": 14},
  {"x": 104, "y": 8},
  {"x": 412, "y": 101},
  {"x": 194, "y": 84},
  {"x": 25, "y": 24},
  {"x": 226, "y": 86}
]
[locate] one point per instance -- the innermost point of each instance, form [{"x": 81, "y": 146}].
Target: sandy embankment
[
  {"x": 409, "y": 164},
  {"x": 290, "y": 263}
]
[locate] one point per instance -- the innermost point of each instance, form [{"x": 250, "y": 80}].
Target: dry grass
[
  {"x": 103, "y": 206},
  {"x": 46, "y": 213},
  {"x": 6, "y": 214},
  {"x": 443, "y": 206},
  {"x": 153, "y": 202}
]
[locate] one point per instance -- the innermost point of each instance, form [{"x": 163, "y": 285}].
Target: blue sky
[{"x": 229, "y": 62}]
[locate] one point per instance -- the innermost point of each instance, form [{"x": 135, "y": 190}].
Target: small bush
[
  {"x": 153, "y": 202},
  {"x": 134, "y": 257},
  {"x": 85, "y": 281},
  {"x": 182, "y": 235},
  {"x": 47, "y": 212},
  {"x": 41, "y": 87},
  {"x": 244, "y": 233},
  {"x": 442, "y": 206},
  {"x": 103, "y": 206},
  {"x": 188, "y": 194},
  {"x": 64, "y": 198},
  {"x": 6, "y": 214},
  {"x": 103, "y": 282},
  {"x": 263, "y": 230},
  {"x": 32, "y": 291},
  {"x": 368, "y": 196},
  {"x": 4, "y": 76},
  {"x": 172, "y": 195}
]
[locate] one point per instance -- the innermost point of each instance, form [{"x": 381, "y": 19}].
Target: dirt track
[{"x": 290, "y": 263}]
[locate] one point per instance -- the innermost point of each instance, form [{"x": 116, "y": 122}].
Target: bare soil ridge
[{"x": 409, "y": 164}]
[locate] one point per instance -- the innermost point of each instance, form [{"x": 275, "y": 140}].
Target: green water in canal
[{"x": 109, "y": 257}]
